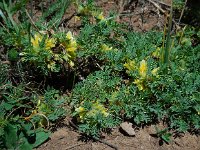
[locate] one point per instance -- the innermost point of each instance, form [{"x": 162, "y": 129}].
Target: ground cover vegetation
[{"x": 111, "y": 74}]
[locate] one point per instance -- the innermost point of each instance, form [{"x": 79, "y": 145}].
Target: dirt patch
[{"x": 67, "y": 138}]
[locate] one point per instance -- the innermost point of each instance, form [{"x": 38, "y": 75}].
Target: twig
[
  {"x": 182, "y": 12},
  {"x": 40, "y": 114},
  {"x": 4, "y": 27},
  {"x": 157, "y": 6},
  {"x": 160, "y": 2},
  {"x": 6, "y": 62},
  {"x": 32, "y": 22},
  {"x": 96, "y": 139},
  {"x": 106, "y": 143},
  {"x": 64, "y": 21},
  {"x": 73, "y": 146},
  {"x": 121, "y": 8}
]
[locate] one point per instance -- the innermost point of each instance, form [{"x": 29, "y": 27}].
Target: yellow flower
[
  {"x": 156, "y": 53},
  {"x": 105, "y": 47},
  {"x": 100, "y": 16},
  {"x": 71, "y": 54},
  {"x": 71, "y": 63},
  {"x": 130, "y": 65},
  {"x": 80, "y": 109},
  {"x": 51, "y": 65},
  {"x": 35, "y": 41},
  {"x": 76, "y": 18},
  {"x": 69, "y": 36},
  {"x": 81, "y": 112},
  {"x": 139, "y": 84},
  {"x": 96, "y": 107},
  {"x": 143, "y": 69},
  {"x": 49, "y": 43},
  {"x": 56, "y": 57},
  {"x": 71, "y": 49},
  {"x": 155, "y": 71},
  {"x": 71, "y": 44}
]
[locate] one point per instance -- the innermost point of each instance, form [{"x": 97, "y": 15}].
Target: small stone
[{"x": 127, "y": 128}]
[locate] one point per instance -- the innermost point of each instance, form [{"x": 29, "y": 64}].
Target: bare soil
[{"x": 66, "y": 138}]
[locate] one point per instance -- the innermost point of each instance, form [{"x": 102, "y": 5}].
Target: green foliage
[
  {"x": 124, "y": 81},
  {"x": 164, "y": 135},
  {"x": 90, "y": 102},
  {"x": 178, "y": 4},
  {"x": 43, "y": 54},
  {"x": 25, "y": 114},
  {"x": 53, "y": 14},
  {"x": 146, "y": 93}
]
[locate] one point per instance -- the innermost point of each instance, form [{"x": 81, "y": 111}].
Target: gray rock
[{"x": 127, "y": 128}]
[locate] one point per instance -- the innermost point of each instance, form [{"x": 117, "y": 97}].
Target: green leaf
[
  {"x": 11, "y": 136},
  {"x": 41, "y": 137},
  {"x": 166, "y": 137},
  {"x": 13, "y": 55},
  {"x": 7, "y": 106},
  {"x": 25, "y": 145}
]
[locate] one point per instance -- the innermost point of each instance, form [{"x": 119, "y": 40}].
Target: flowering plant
[{"x": 49, "y": 53}]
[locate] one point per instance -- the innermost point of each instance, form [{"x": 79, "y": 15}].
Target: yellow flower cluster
[
  {"x": 140, "y": 84},
  {"x": 100, "y": 17},
  {"x": 156, "y": 53},
  {"x": 49, "y": 42},
  {"x": 142, "y": 70},
  {"x": 154, "y": 72},
  {"x": 86, "y": 11},
  {"x": 105, "y": 47},
  {"x": 70, "y": 47},
  {"x": 81, "y": 112},
  {"x": 130, "y": 65},
  {"x": 96, "y": 108},
  {"x": 41, "y": 44}
]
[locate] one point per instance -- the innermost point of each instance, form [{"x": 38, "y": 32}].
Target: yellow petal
[
  {"x": 49, "y": 43},
  {"x": 139, "y": 84},
  {"x": 143, "y": 68},
  {"x": 130, "y": 65},
  {"x": 69, "y": 35},
  {"x": 72, "y": 43},
  {"x": 156, "y": 53},
  {"x": 106, "y": 47},
  {"x": 71, "y": 49},
  {"x": 71, "y": 63},
  {"x": 155, "y": 71},
  {"x": 36, "y": 40},
  {"x": 100, "y": 16},
  {"x": 80, "y": 109}
]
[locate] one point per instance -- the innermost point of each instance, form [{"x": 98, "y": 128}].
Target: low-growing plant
[
  {"x": 125, "y": 75},
  {"x": 48, "y": 54},
  {"x": 91, "y": 108},
  {"x": 163, "y": 134},
  {"x": 25, "y": 114},
  {"x": 145, "y": 92}
]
